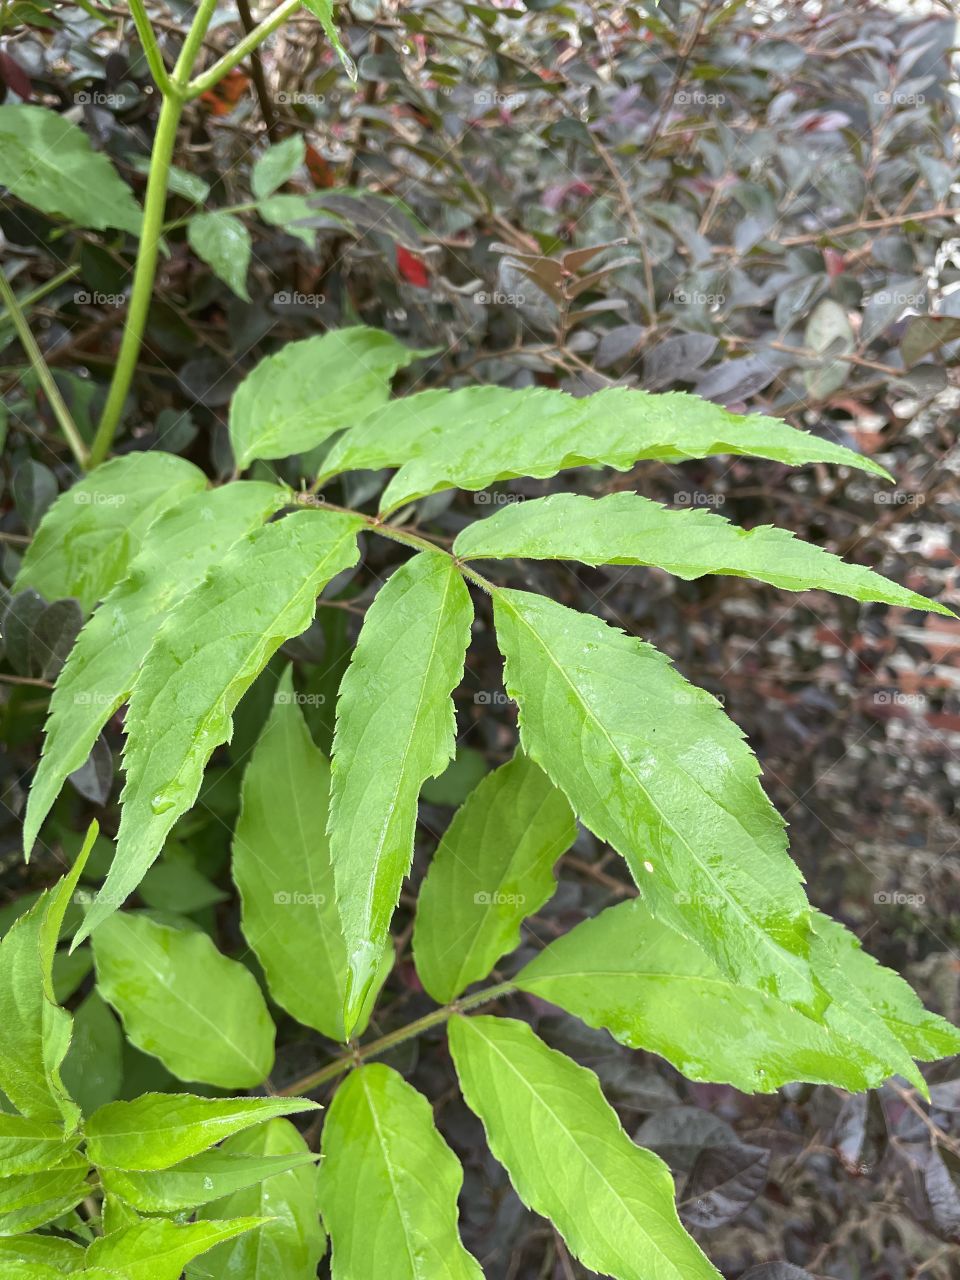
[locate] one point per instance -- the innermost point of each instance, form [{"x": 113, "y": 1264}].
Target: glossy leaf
[
  {"x": 29, "y": 1200},
  {"x": 653, "y": 767},
  {"x": 48, "y": 162},
  {"x": 567, "y": 1156},
  {"x": 201, "y": 1014},
  {"x": 208, "y": 1176},
  {"x": 624, "y": 528},
  {"x": 62, "y": 1256},
  {"x": 157, "y": 1249},
  {"x": 473, "y": 437},
  {"x": 93, "y": 1068},
  {"x": 282, "y": 867},
  {"x": 382, "y": 1151},
  {"x": 100, "y": 671},
  {"x": 395, "y": 729},
  {"x": 158, "y": 1130},
  {"x": 29, "y": 1146},
  {"x": 208, "y": 652},
  {"x": 654, "y": 989},
  {"x": 292, "y": 1242},
  {"x": 295, "y": 399},
  {"x": 493, "y": 867},
  {"x": 223, "y": 242},
  {"x": 87, "y": 539}
]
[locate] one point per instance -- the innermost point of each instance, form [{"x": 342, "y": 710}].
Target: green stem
[
  {"x": 43, "y": 374},
  {"x": 376, "y": 1047},
  {"x": 151, "y": 49},
  {"x": 174, "y": 99},
  {"x": 213, "y": 75}
]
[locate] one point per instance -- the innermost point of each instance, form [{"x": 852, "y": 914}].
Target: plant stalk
[
  {"x": 151, "y": 49},
  {"x": 372, "y": 1050},
  {"x": 251, "y": 41},
  {"x": 43, "y": 374}
]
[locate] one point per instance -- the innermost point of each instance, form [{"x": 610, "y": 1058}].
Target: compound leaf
[
  {"x": 493, "y": 867},
  {"x": 49, "y": 163},
  {"x": 178, "y": 549},
  {"x": 395, "y": 728},
  {"x": 561, "y": 1142},
  {"x": 88, "y": 537},
  {"x": 282, "y": 867},
  {"x": 207, "y": 653},
  {"x": 293, "y": 1242},
  {"x": 382, "y": 1151},
  {"x": 158, "y": 1130},
  {"x": 653, "y": 767},
  {"x": 200, "y": 1013},
  {"x": 473, "y": 437},
  {"x": 624, "y": 528},
  {"x": 295, "y": 399}
]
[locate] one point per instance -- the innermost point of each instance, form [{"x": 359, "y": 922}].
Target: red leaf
[
  {"x": 15, "y": 78},
  {"x": 412, "y": 268}
]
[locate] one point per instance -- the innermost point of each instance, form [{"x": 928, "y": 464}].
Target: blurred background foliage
[{"x": 755, "y": 201}]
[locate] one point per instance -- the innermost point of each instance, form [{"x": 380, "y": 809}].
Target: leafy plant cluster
[{"x": 146, "y": 587}]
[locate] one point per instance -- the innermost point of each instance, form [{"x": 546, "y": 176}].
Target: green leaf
[
  {"x": 323, "y": 9},
  {"x": 208, "y": 1176},
  {"x": 567, "y": 1156},
  {"x": 63, "y": 1256},
  {"x": 289, "y": 1246},
  {"x": 290, "y": 212},
  {"x": 29, "y": 1200},
  {"x": 30, "y": 1146},
  {"x": 492, "y": 869},
  {"x": 158, "y": 1130},
  {"x": 87, "y": 539},
  {"x": 282, "y": 867},
  {"x": 395, "y": 728},
  {"x": 295, "y": 399},
  {"x": 222, "y": 241},
  {"x": 654, "y": 989},
  {"x": 48, "y": 162},
  {"x": 201, "y": 1014},
  {"x": 207, "y": 653},
  {"x": 653, "y": 767},
  {"x": 276, "y": 165},
  {"x": 156, "y": 1249},
  {"x": 36, "y": 1031},
  {"x": 93, "y": 1068},
  {"x": 382, "y": 1151},
  {"x": 476, "y": 436},
  {"x": 178, "y": 549},
  {"x": 624, "y": 528}
]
